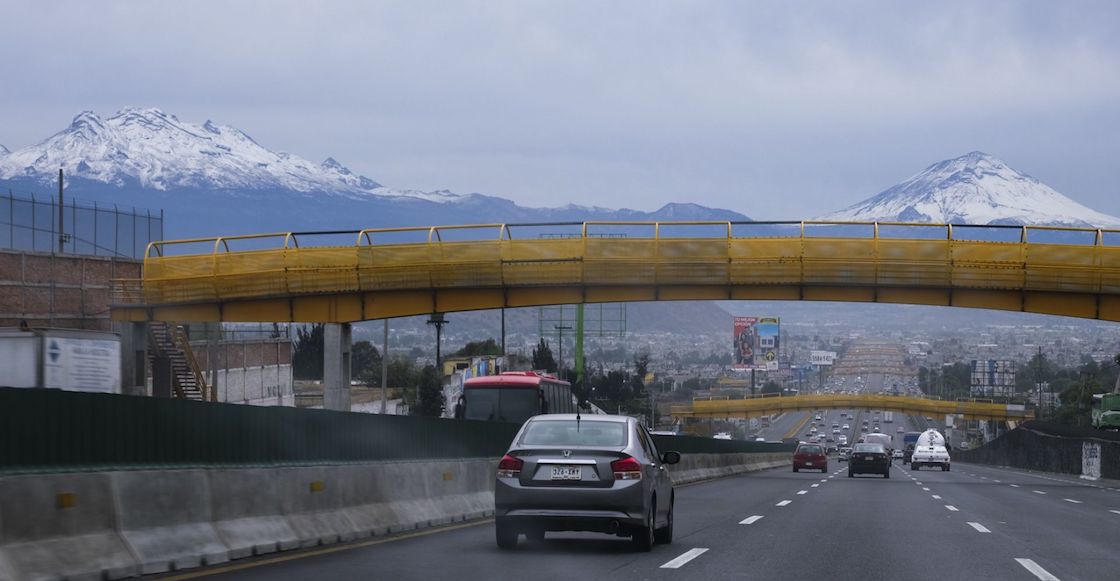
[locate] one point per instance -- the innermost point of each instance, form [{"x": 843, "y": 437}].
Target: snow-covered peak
[
  {"x": 156, "y": 150},
  {"x": 975, "y": 188}
]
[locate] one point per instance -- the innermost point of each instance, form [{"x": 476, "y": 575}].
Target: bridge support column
[
  {"x": 336, "y": 367},
  {"x": 134, "y": 357}
]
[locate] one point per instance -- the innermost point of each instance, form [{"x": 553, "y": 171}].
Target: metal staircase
[{"x": 187, "y": 381}]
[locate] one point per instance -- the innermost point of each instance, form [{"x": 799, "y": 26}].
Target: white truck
[{"x": 930, "y": 451}]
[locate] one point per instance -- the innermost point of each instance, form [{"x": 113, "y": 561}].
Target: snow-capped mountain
[
  {"x": 975, "y": 188},
  {"x": 154, "y": 150},
  {"x": 215, "y": 179}
]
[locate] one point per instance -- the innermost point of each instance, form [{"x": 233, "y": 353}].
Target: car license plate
[
  {"x": 808, "y": 463},
  {"x": 869, "y": 458},
  {"x": 567, "y": 473}
]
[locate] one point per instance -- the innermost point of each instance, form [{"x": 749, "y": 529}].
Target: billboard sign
[
  {"x": 993, "y": 377},
  {"x": 767, "y": 330},
  {"x": 744, "y": 342},
  {"x": 822, "y": 357}
]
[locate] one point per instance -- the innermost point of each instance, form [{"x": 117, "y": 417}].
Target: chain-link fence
[{"x": 28, "y": 222}]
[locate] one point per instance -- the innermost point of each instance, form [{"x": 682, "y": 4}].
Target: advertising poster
[
  {"x": 767, "y": 332},
  {"x": 744, "y": 339}
]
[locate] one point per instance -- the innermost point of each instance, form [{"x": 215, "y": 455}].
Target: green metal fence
[{"x": 49, "y": 431}]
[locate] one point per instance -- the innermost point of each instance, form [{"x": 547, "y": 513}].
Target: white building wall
[{"x": 264, "y": 385}]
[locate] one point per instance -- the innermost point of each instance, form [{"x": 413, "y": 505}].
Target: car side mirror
[{"x": 671, "y": 457}]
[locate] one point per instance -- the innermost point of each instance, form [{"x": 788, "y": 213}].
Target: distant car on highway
[
  {"x": 810, "y": 457},
  {"x": 900, "y": 430},
  {"x": 600, "y": 473},
  {"x": 843, "y": 454},
  {"x": 847, "y": 427},
  {"x": 897, "y": 454},
  {"x": 869, "y": 459}
]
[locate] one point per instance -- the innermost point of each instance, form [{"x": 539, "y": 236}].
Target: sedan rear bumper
[{"x": 563, "y": 508}]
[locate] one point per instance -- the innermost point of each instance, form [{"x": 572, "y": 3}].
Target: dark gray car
[{"x": 595, "y": 473}]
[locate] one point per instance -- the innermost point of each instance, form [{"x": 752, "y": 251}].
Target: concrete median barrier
[
  {"x": 165, "y": 518},
  {"x": 247, "y": 512},
  {"x": 56, "y": 526},
  {"x": 124, "y": 523},
  {"x": 698, "y": 467}
]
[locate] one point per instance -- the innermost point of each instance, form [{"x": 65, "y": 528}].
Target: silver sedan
[{"x": 594, "y": 473}]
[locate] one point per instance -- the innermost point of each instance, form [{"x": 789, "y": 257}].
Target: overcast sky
[{"x": 779, "y": 110}]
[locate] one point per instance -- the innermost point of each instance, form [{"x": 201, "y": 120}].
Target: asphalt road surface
[{"x": 971, "y": 523}]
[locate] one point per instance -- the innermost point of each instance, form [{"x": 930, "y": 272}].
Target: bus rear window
[
  {"x": 501, "y": 404},
  {"x": 573, "y": 433}
]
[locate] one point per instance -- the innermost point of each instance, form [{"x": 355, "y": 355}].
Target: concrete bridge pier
[{"x": 336, "y": 367}]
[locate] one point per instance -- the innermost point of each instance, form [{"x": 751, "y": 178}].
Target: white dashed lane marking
[
  {"x": 802, "y": 491},
  {"x": 936, "y": 497},
  {"x": 951, "y": 507},
  {"x": 1014, "y": 486},
  {"x": 684, "y": 558},
  {"x": 1037, "y": 570},
  {"x": 1038, "y": 492},
  {"x": 925, "y": 489},
  {"x": 1115, "y": 511},
  {"x": 979, "y": 527},
  {"x": 814, "y": 485},
  {"x": 1072, "y": 500},
  {"x": 750, "y": 520},
  {"x": 783, "y": 503}
]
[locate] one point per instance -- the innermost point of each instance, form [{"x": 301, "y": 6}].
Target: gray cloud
[{"x": 769, "y": 108}]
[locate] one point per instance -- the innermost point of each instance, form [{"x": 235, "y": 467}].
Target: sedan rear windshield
[
  {"x": 870, "y": 448},
  {"x": 573, "y": 433},
  {"x": 809, "y": 450}
]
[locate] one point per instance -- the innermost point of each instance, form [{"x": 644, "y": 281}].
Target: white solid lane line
[
  {"x": 783, "y": 503},
  {"x": 1038, "y": 492},
  {"x": 802, "y": 491},
  {"x": 1038, "y": 571},
  {"x": 1072, "y": 500},
  {"x": 750, "y": 520},
  {"x": 686, "y": 557},
  {"x": 979, "y": 527},
  {"x": 951, "y": 507}
]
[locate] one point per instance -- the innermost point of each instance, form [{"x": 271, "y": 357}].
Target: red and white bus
[{"x": 515, "y": 396}]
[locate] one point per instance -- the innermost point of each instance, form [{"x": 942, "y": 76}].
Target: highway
[{"x": 973, "y": 522}]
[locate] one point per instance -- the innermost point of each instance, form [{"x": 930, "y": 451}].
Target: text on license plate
[
  {"x": 567, "y": 473},
  {"x": 869, "y": 458},
  {"x": 808, "y": 463}
]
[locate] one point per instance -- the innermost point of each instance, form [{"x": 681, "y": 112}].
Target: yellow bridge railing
[
  {"x": 272, "y": 277},
  {"x": 759, "y": 406}
]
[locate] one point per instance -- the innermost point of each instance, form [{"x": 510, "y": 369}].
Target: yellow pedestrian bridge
[
  {"x": 761, "y": 406},
  {"x": 376, "y": 273}
]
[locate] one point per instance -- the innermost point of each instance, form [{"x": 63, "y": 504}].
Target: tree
[
  {"x": 542, "y": 357},
  {"x": 477, "y": 348},
  {"x": 431, "y": 393},
  {"x": 365, "y": 363},
  {"x": 771, "y": 387},
  {"x": 307, "y": 358}
]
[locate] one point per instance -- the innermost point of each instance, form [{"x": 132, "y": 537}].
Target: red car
[{"x": 810, "y": 457}]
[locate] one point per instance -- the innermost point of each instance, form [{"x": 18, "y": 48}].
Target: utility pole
[
  {"x": 61, "y": 219},
  {"x": 560, "y": 340},
  {"x": 385, "y": 368},
  {"x": 1038, "y": 376}
]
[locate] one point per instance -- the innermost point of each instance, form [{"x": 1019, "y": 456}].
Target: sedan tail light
[
  {"x": 510, "y": 467},
  {"x": 626, "y": 469}
]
